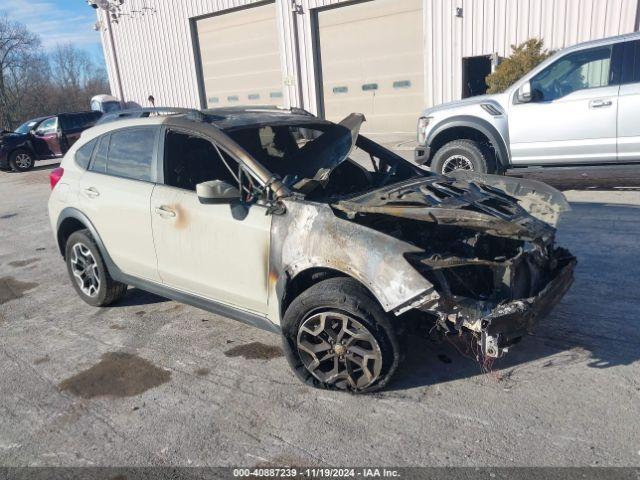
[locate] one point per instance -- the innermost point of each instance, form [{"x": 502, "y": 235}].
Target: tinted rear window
[
  {"x": 83, "y": 155},
  {"x": 99, "y": 163},
  {"x": 131, "y": 153}
]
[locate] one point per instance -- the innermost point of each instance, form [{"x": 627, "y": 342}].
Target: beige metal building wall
[
  {"x": 372, "y": 58},
  {"x": 155, "y": 52},
  {"x": 492, "y": 26},
  {"x": 240, "y": 57}
]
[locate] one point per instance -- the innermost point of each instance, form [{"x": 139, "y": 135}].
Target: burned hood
[{"x": 471, "y": 202}]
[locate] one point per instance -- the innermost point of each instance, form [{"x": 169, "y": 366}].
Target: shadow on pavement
[
  {"x": 608, "y": 177},
  {"x": 597, "y": 322},
  {"x": 137, "y": 297}
]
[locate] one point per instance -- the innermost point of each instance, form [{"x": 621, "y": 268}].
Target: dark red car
[{"x": 43, "y": 138}]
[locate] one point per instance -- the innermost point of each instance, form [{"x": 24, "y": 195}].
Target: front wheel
[
  {"x": 336, "y": 336},
  {"x": 466, "y": 155},
  {"x": 21, "y": 160}
]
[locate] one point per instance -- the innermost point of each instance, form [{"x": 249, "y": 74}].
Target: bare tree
[
  {"x": 76, "y": 78},
  {"x": 17, "y": 63}
]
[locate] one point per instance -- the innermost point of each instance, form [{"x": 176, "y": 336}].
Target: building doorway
[{"x": 474, "y": 74}]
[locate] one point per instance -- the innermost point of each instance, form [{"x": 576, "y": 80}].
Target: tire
[
  {"x": 474, "y": 155},
  {"x": 99, "y": 288},
  {"x": 21, "y": 160},
  {"x": 341, "y": 301}
]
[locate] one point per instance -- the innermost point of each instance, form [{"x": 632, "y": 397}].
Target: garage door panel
[
  {"x": 240, "y": 57},
  {"x": 372, "y": 62}
]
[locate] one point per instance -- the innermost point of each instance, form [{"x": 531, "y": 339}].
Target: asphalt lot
[{"x": 199, "y": 389}]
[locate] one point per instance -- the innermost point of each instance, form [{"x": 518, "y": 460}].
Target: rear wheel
[
  {"x": 466, "y": 155},
  {"x": 21, "y": 160},
  {"x": 87, "y": 271},
  {"x": 336, "y": 336}
]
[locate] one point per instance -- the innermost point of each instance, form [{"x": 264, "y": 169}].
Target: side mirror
[
  {"x": 217, "y": 191},
  {"x": 524, "y": 93}
]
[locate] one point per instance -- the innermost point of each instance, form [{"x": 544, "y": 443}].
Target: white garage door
[
  {"x": 372, "y": 58},
  {"x": 241, "y": 58}
]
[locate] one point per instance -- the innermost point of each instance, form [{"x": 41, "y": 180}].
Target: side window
[
  {"x": 131, "y": 153},
  {"x": 83, "y": 155},
  {"x": 99, "y": 163},
  {"x": 630, "y": 60},
  {"x": 50, "y": 125},
  {"x": 190, "y": 160},
  {"x": 573, "y": 72}
]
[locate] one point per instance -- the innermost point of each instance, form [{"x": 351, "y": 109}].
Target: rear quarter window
[{"x": 83, "y": 154}]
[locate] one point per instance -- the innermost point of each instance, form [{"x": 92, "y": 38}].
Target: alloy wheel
[
  {"x": 456, "y": 162},
  {"x": 339, "y": 350},
  {"x": 23, "y": 161},
  {"x": 85, "y": 270}
]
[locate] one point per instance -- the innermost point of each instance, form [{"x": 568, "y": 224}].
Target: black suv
[{"x": 43, "y": 138}]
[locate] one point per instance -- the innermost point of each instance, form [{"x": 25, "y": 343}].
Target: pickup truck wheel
[
  {"x": 88, "y": 273},
  {"x": 336, "y": 336},
  {"x": 463, "y": 155},
  {"x": 21, "y": 160}
]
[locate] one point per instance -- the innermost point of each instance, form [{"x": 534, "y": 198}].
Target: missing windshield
[{"x": 323, "y": 160}]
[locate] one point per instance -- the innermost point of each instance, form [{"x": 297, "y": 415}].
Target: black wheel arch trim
[
  {"x": 484, "y": 127},
  {"x": 26, "y": 146},
  {"x": 158, "y": 289}
]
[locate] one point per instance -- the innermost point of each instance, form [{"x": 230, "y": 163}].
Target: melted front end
[{"x": 493, "y": 264}]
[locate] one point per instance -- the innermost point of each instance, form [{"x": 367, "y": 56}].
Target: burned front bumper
[
  {"x": 497, "y": 325},
  {"x": 508, "y": 322}
]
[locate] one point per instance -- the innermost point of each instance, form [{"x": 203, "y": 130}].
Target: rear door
[
  {"x": 116, "y": 193},
  {"x": 629, "y": 106},
  {"x": 572, "y": 117},
  {"x": 71, "y": 128}
]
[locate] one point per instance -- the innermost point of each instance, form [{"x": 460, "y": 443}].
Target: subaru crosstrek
[{"x": 305, "y": 228}]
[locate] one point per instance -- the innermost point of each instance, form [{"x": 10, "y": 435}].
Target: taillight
[{"x": 55, "y": 176}]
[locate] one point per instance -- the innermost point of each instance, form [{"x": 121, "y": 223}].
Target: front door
[
  {"x": 216, "y": 251},
  {"x": 572, "y": 116},
  {"x": 46, "y": 140},
  {"x": 629, "y": 107}
]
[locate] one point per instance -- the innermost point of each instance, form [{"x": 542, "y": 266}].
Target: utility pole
[
  {"x": 114, "y": 56},
  {"x": 109, "y": 8}
]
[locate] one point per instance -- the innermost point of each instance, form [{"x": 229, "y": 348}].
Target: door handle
[
  {"x": 91, "y": 192},
  {"x": 164, "y": 211},
  {"x": 600, "y": 103}
]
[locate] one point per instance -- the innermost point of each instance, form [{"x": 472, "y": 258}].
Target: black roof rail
[{"x": 191, "y": 113}]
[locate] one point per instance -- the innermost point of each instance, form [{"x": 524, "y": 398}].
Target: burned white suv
[{"x": 305, "y": 228}]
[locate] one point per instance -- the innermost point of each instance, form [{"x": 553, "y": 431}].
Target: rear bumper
[{"x": 507, "y": 323}]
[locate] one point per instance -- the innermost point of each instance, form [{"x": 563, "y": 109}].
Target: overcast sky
[{"x": 58, "y": 21}]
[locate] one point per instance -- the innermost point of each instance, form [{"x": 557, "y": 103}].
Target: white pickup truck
[{"x": 581, "y": 106}]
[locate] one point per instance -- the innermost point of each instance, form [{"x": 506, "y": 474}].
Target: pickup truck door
[
  {"x": 629, "y": 105},
  {"x": 46, "y": 139},
  {"x": 573, "y": 113}
]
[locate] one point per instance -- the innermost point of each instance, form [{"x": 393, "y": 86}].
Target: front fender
[
  {"x": 498, "y": 141},
  {"x": 310, "y": 235}
]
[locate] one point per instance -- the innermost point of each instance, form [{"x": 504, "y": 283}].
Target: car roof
[
  {"x": 602, "y": 41},
  {"x": 38, "y": 119},
  {"x": 230, "y": 118},
  {"x": 224, "y": 118}
]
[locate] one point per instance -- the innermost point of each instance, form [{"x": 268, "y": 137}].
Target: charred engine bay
[{"x": 480, "y": 249}]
